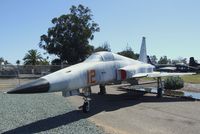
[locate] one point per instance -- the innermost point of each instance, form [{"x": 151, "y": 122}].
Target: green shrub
[{"x": 173, "y": 83}]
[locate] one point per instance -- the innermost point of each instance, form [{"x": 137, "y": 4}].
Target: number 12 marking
[{"x": 91, "y": 74}]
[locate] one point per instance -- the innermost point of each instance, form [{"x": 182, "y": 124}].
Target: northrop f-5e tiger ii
[{"x": 100, "y": 68}]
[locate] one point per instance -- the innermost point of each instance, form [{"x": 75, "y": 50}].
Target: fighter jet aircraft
[
  {"x": 98, "y": 69},
  {"x": 174, "y": 67}
]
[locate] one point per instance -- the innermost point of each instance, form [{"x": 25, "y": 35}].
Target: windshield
[{"x": 94, "y": 57}]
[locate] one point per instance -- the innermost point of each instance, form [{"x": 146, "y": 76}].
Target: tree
[
  {"x": 153, "y": 59},
  {"x": 175, "y": 61},
  {"x": 56, "y": 62},
  {"x": 169, "y": 61},
  {"x": 18, "y": 62},
  {"x": 180, "y": 60},
  {"x": 6, "y": 62},
  {"x": 32, "y": 57},
  {"x": 163, "y": 60},
  {"x": 183, "y": 60},
  {"x": 44, "y": 62},
  {"x": 104, "y": 47},
  {"x": 69, "y": 37},
  {"x": 128, "y": 52},
  {"x": 1, "y": 60}
]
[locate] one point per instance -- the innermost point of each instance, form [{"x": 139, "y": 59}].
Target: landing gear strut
[
  {"x": 86, "y": 105},
  {"x": 159, "y": 87},
  {"x": 102, "y": 90},
  {"x": 86, "y": 94}
]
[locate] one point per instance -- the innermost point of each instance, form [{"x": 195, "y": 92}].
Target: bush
[{"x": 173, "y": 83}]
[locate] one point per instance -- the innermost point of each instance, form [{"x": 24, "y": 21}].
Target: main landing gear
[
  {"x": 159, "y": 87},
  {"x": 102, "y": 90}
]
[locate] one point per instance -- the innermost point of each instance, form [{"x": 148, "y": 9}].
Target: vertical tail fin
[
  {"x": 193, "y": 63},
  {"x": 143, "y": 51}
]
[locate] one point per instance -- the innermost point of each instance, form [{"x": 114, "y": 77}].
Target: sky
[{"x": 171, "y": 27}]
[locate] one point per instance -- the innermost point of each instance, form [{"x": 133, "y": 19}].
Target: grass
[{"x": 194, "y": 79}]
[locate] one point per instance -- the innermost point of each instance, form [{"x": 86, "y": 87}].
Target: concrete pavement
[{"x": 128, "y": 113}]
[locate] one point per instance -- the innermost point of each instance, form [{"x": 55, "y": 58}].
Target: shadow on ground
[{"x": 108, "y": 102}]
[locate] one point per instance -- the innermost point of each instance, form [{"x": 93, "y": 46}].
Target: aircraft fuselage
[{"x": 86, "y": 74}]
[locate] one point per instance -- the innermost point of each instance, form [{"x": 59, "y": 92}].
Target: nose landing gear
[{"x": 86, "y": 105}]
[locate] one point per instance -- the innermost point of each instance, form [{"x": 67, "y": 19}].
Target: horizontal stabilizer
[{"x": 139, "y": 75}]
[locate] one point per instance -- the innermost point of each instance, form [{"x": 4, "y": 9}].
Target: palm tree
[{"x": 32, "y": 57}]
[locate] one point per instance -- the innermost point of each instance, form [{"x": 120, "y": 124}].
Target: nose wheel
[
  {"x": 86, "y": 94},
  {"x": 86, "y": 105}
]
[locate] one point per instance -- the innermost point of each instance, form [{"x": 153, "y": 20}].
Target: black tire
[
  {"x": 102, "y": 90},
  {"x": 86, "y": 107}
]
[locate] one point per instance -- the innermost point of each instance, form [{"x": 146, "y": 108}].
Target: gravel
[{"x": 42, "y": 113}]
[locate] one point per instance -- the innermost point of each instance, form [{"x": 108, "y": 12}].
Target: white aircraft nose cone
[{"x": 38, "y": 86}]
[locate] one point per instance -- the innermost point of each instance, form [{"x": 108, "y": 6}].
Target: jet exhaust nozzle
[{"x": 40, "y": 85}]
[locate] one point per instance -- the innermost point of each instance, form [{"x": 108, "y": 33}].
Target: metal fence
[{"x": 27, "y": 70}]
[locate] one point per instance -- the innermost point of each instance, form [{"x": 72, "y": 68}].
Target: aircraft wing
[
  {"x": 142, "y": 71},
  {"x": 163, "y": 74}
]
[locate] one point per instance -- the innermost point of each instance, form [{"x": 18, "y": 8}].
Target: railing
[{"x": 27, "y": 70}]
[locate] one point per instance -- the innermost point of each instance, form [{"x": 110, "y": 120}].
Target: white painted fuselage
[{"x": 99, "y": 68}]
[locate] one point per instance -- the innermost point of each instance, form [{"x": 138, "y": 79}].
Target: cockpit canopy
[
  {"x": 100, "y": 56},
  {"x": 94, "y": 57},
  {"x": 106, "y": 56}
]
